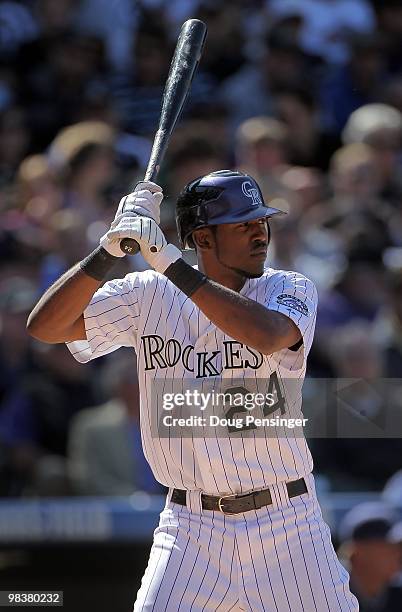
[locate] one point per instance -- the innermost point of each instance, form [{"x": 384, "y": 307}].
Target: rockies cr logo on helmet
[
  {"x": 252, "y": 192},
  {"x": 224, "y": 196}
]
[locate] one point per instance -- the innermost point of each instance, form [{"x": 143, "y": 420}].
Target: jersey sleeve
[
  {"x": 110, "y": 319},
  {"x": 295, "y": 296}
]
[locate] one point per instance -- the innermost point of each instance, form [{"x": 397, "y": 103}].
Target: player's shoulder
[
  {"x": 285, "y": 285},
  {"x": 273, "y": 276}
]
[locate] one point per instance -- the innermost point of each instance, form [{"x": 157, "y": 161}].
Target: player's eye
[{"x": 248, "y": 224}]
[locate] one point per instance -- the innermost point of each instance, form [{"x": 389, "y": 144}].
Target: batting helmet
[{"x": 220, "y": 197}]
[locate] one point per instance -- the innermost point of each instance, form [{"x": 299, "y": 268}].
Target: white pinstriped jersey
[{"x": 174, "y": 340}]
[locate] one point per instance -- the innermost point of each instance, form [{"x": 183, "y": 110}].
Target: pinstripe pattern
[
  {"x": 146, "y": 303},
  {"x": 279, "y": 558},
  {"x": 276, "y": 559}
]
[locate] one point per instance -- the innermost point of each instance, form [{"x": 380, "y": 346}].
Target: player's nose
[{"x": 259, "y": 230}]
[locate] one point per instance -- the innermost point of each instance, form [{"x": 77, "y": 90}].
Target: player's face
[{"x": 242, "y": 247}]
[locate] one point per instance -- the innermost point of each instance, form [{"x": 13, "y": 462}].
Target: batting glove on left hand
[{"x": 153, "y": 245}]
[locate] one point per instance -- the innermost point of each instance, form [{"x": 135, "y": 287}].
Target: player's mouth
[{"x": 261, "y": 252}]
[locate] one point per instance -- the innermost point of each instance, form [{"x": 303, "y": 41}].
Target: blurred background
[{"x": 306, "y": 96}]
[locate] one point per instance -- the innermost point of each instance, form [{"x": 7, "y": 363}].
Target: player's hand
[
  {"x": 153, "y": 244},
  {"x": 145, "y": 201}
]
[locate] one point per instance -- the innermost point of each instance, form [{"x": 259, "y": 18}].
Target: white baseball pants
[{"x": 276, "y": 559}]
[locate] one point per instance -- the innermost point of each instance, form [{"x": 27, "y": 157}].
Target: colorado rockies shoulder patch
[{"x": 292, "y": 302}]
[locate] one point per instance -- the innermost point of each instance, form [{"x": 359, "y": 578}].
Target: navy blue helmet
[{"x": 225, "y": 196}]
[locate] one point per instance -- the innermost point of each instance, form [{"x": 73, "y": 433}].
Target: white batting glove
[
  {"x": 153, "y": 245},
  {"x": 145, "y": 201}
]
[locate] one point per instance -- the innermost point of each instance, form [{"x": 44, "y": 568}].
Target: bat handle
[{"x": 129, "y": 246}]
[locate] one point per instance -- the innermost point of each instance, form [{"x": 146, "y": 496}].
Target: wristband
[
  {"x": 186, "y": 278},
  {"x": 98, "y": 263}
]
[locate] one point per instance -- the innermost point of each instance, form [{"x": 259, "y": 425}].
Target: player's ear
[{"x": 203, "y": 238}]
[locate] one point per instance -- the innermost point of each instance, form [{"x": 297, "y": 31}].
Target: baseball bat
[{"x": 182, "y": 69}]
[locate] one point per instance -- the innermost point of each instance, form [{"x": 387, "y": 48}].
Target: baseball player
[{"x": 241, "y": 528}]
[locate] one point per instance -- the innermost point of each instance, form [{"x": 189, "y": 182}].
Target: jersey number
[{"x": 274, "y": 390}]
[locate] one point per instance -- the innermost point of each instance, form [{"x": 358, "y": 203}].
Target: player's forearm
[
  {"x": 244, "y": 319},
  {"x": 57, "y": 317}
]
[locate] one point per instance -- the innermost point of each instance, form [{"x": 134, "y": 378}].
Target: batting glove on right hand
[{"x": 144, "y": 201}]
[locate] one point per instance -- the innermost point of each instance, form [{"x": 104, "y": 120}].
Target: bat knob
[{"x": 129, "y": 246}]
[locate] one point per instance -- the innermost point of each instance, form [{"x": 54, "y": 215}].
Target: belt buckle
[{"x": 220, "y": 503}]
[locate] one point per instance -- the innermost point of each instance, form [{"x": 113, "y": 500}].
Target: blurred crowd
[{"x": 305, "y": 96}]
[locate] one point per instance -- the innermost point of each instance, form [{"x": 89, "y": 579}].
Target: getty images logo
[{"x": 252, "y": 192}]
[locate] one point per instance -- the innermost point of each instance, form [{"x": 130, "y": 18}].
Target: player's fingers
[
  {"x": 151, "y": 199},
  {"x": 143, "y": 212},
  {"x": 143, "y": 229},
  {"x": 154, "y": 187},
  {"x": 148, "y": 185},
  {"x": 158, "y": 197},
  {"x": 146, "y": 200}
]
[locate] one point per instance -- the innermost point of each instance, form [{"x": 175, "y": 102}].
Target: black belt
[{"x": 236, "y": 504}]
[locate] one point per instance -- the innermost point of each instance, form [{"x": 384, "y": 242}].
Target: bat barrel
[{"x": 182, "y": 69}]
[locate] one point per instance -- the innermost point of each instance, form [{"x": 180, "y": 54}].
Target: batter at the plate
[{"x": 241, "y": 528}]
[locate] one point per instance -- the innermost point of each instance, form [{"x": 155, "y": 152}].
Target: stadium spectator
[
  {"x": 18, "y": 435},
  {"x": 248, "y": 93},
  {"x": 14, "y": 142},
  {"x": 389, "y": 18},
  {"x": 39, "y": 192},
  {"x": 115, "y": 23},
  {"x": 83, "y": 156},
  {"x": 373, "y": 556},
  {"x": 359, "y": 291},
  {"x": 196, "y": 149},
  {"x": 380, "y": 127},
  {"x": 104, "y": 449},
  {"x": 261, "y": 149},
  {"x": 359, "y": 82},
  {"x": 224, "y": 53},
  {"x": 17, "y": 295},
  {"x": 393, "y": 93},
  {"x": 310, "y": 144},
  {"x": 56, "y": 77},
  {"x": 392, "y": 492},
  {"x": 388, "y": 327},
  {"x": 355, "y": 207},
  {"x": 304, "y": 186},
  {"x": 354, "y": 441},
  {"x": 137, "y": 97},
  {"x": 326, "y": 25},
  {"x": 17, "y": 27}
]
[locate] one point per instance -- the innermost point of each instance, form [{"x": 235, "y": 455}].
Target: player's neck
[{"x": 224, "y": 276}]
